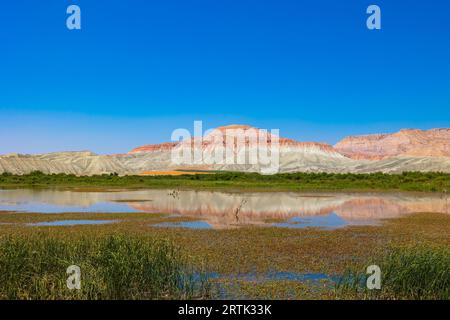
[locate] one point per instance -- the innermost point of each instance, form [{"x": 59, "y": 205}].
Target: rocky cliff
[{"x": 407, "y": 142}]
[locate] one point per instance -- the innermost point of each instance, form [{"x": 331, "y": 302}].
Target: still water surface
[{"x": 215, "y": 209}]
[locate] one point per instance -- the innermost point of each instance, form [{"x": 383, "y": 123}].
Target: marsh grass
[
  {"x": 228, "y": 252},
  {"x": 112, "y": 267},
  {"x": 412, "y": 273}
]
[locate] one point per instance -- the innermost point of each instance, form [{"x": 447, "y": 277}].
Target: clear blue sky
[{"x": 139, "y": 69}]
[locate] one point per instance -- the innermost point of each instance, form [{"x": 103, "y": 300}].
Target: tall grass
[
  {"x": 413, "y": 273},
  {"x": 112, "y": 267}
]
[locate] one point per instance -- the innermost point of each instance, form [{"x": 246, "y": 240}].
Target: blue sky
[{"x": 139, "y": 69}]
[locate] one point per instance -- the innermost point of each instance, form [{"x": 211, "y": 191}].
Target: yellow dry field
[{"x": 172, "y": 173}]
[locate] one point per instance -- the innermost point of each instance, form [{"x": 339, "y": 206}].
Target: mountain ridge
[
  {"x": 406, "y": 142},
  {"x": 405, "y": 150}
]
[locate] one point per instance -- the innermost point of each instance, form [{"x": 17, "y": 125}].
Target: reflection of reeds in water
[
  {"x": 446, "y": 200},
  {"x": 239, "y": 208}
]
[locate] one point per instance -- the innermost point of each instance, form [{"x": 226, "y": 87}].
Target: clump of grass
[
  {"x": 112, "y": 267},
  {"x": 412, "y": 273}
]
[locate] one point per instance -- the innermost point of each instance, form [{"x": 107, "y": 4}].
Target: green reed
[
  {"x": 112, "y": 267},
  {"x": 412, "y": 273}
]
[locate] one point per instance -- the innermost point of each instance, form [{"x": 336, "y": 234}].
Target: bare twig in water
[{"x": 238, "y": 209}]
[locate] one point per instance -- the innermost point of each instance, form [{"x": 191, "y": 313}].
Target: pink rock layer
[
  {"x": 222, "y": 132},
  {"x": 406, "y": 142}
]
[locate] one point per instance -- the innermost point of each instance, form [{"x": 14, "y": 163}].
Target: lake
[{"x": 218, "y": 209}]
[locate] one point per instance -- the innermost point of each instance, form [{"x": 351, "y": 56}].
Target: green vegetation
[
  {"x": 225, "y": 252},
  {"x": 407, "y": 273},
  {"x": 407, "y": 181},
  {"x": 112, "y": 267},
  {"x": 132, "y": 260}
]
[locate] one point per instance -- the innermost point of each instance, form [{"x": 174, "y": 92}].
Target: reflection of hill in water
[
  {"x": 219, "y": 209},
  {"x": 223, "y": 209}
]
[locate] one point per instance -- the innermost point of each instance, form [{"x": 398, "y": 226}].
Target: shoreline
[{"x": 231, "y": 189}]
